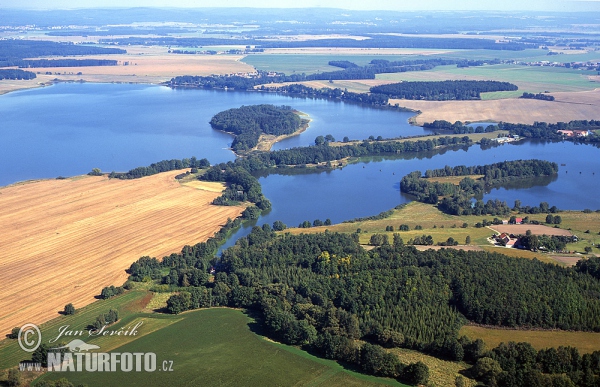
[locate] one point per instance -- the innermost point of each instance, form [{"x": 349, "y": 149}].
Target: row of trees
[
  {"x": 442, "y": 90},
  {"x": 458, "y": 127},
  {"x": 541, "y": 96},
  {"x": 247, "y": 123},
  {"x": 111, "y": 291},
  {"x": 154, "y": 168}
]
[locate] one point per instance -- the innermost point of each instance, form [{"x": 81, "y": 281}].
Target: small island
[{"x": 258, "y": 126}]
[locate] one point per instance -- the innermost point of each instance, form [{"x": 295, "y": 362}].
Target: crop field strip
[
  {"x": 216, "y": 347},
  {"x": 126, "y": 304},
  {"x": 64, "y": 240}
]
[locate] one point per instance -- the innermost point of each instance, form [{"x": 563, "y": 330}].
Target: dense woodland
[
  {"x": 324, "y": 292},
  {"x": 442, "y": 90},
  {"x": 16, "y": 74},
  {"x": 457, "y": 198},
  {"x": 247, "y": 123},
  {"x": 12, "y": 52}
]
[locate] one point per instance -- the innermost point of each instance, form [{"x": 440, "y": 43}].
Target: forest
[
  {"x": 442, "y": 90},
  {"x": 457, "y": 198},
  {"x": 16, "y": 74},
  {"x": 247, "y": 123},
  {"x": 324, "y": 292},
  {"x": 13, "y": 51}
]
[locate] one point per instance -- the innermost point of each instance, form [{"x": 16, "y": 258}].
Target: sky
[{"x": 397, "y": 5}]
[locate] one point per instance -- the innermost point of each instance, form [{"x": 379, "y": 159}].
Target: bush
[
  {"x": 69, "y": 309},
  {"x": 111, "y": 291},
  {"x": 416, "y": 373},
  {"x": 14, "y": 333}
]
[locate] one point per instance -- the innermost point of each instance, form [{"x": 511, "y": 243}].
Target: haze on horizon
[{"x": 392, "y": 5}]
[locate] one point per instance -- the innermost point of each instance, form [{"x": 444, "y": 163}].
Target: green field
[
  {"x": 128, "y": 305},
  {"x": 217, "y": 347},
  {"x": 290, "y": 64},
  {"x": 528, "y": 78}
]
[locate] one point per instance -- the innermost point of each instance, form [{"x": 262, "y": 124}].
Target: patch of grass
[
  {"x": 502, "y": 95},
  {"x": 517, "y": 253},
  {"x": 291, "y": 63},
  {"x": 159, "y": 301},
  {"x": 217, "y": 347},
  {"x": 586, "y": 342},
  {"x": 441, "y": 372}
]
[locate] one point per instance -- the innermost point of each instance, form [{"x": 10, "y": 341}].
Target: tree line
[
  {"x": 12, "y": 51},
  {"x": 34, "y": 63},
  {"x": 376, "y": 41},
  {"x": 458, "y": 127},
  {"x": 16, "y": 74},
  {"x": 247, "y": 123},
  {"x": 323, "y": 292},
  {"x": 442, "y": 90},
  {"x": 541, "y": 96},
  {"x": 154, "y": 168}
]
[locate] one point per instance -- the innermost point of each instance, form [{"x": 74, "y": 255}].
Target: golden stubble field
[
  {"x": 568, "y": 106},
  {"x": 64, "y": 240}
]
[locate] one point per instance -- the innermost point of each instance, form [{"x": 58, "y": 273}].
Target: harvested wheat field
[
  {"x": 536, "y": 229},
  {"x": 64, "y": 240},
  {"x": 523, "y": 111}
]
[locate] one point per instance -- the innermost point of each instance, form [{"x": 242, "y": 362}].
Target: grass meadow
[{"x": 217, "y": 347}]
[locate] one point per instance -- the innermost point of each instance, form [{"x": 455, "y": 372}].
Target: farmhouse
[{"x": 574, "y": 133}]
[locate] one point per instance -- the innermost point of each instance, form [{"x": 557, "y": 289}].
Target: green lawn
[{"x": 213, "y": 347}]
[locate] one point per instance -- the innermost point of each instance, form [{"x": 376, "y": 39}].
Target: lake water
[
  {"x": 373, "y": 185},
  {"x": 68, "y": 129}
]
